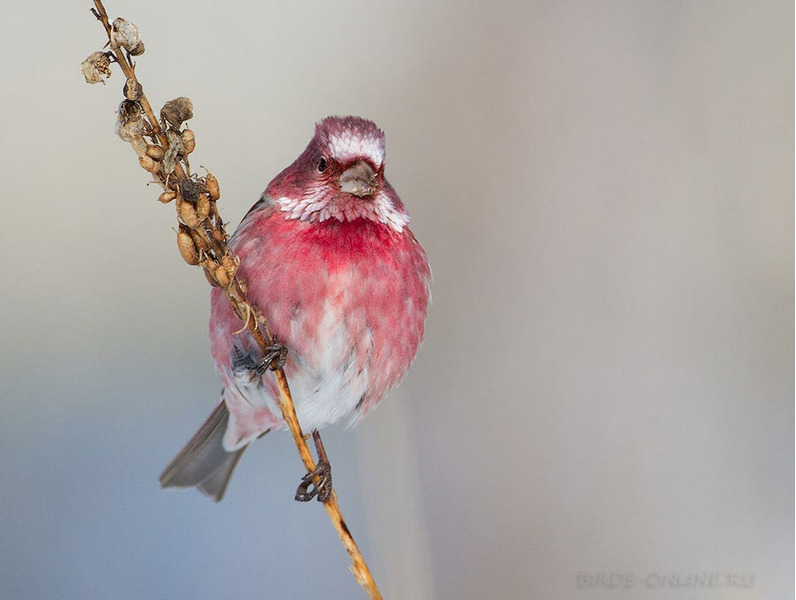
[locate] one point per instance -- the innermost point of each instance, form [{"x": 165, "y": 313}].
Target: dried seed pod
[
  {"x": 96, "y": 68},
  {"x": 170, "y": 160},
  {"x": 199, "y": 240},
  {"x": 129, "y": 121},
  {"x": 210, "y": 265},
  {"x": 130, "y": 126},
  {"x": 132, "y": 89},
  {"x": 219, "y": 236},
  {"x": 188, "y": 250},
  {"x": 167, "y": 196},
  {"x": 173, "y": 150},
  {"x": 148, "y": 163},
  {"x": 211, "y": 184},
  {"x": 188, "y": 141},
  {"x": 174, "y": 112},
  {"x": 203, "y": 207},
  {"x": 211, "y": 278},
  {"x": 124, "y": 34},
  {"x": 222, "y": 276},
  {"x": 139, "y": 146},
  {"x": 138, "y": 49},
  {"x": 187, "y": 215},
  {"x": 230, "y": 265},
  {"x": 155, "y": 152}
]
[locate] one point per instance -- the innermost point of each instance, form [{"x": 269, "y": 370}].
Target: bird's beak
[{"x": 359, "y": 180}]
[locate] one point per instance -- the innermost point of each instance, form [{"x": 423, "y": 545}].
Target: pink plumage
[{"x": 328, "y": 256}]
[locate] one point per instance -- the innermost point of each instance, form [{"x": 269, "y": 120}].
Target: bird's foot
[
  {"x": 322, "y": 489},
  {"x": 308, "y": 489},
  {"x": 247, "y": 368},
  {"x": 275, "y": 357}
]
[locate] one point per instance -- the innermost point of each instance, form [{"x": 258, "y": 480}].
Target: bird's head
[{"x": 340, "y": 176}]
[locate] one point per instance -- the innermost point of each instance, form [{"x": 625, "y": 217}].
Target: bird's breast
[{"x": 348, "y": 299}]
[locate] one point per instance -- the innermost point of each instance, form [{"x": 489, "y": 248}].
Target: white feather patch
[
  {"x": 311, "y": 208},
  {"x": 349, "y": 144},
  {"x": 330, "y": 384}
]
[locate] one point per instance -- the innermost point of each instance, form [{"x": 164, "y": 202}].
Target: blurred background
[{"x": 603, "y": 406}]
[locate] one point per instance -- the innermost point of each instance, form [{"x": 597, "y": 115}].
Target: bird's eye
[{"x": 322, "y": 164}]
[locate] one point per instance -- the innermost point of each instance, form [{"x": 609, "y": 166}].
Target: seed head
[
  {"x": 174, "y": 112},
  {"x": 96, "y": 68},
  {"x": 124, "y": 34}
]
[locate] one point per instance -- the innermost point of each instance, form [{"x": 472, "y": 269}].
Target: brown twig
[{"x": 202, "y": 239}]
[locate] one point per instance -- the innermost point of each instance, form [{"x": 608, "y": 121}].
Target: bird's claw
[
  {"x": 308, "y": 489},
  {"x": 274, "y": 359},
  {"x": 244, "y": 365}
]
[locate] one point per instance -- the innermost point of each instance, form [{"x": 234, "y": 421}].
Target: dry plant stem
[{"x": 254, "y": 320}]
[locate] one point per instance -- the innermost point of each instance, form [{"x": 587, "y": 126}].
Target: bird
[{"x": 327, "y": 256}]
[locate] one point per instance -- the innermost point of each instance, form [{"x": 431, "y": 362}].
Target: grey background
[{"x": 605, "y": 190}]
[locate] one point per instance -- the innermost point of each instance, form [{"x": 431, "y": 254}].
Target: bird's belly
[{"x": 330, "y": 377}]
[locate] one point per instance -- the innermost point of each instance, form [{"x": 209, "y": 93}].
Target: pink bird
[{"x": 328, "y": 256}]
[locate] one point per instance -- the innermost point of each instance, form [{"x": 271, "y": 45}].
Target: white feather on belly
[{"x": 328, "y": 384}]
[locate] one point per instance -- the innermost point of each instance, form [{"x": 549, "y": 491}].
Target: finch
[{"x": 328, "y": 257}]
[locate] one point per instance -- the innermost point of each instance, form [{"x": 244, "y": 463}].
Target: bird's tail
[{"x": 203, "y": 462}]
